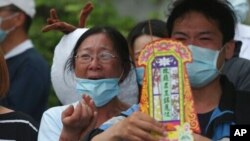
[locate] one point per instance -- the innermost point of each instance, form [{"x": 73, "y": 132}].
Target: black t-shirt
[{"x": 17, "y": 126}]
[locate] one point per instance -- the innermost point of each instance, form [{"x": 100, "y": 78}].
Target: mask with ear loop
[
  {"x": 101, "y": 91},
  {"x": 4, "y": 33},
  {"x": 203, "y": 69}
]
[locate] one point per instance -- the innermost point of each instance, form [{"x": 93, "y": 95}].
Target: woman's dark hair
[
  {"x": 119, "y": 42},
  {"x": 152, "y": 27},
  {"x": 219, "y": 11}
]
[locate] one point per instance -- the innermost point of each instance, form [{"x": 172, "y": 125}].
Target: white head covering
[
  {"x": 64, "y": 83},
  {"x": 27, "y": 6}
]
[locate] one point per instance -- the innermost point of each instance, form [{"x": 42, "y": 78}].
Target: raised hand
[
  {"x": 54, "y": 23},
  {"x": 84, "y": 14},
  {"x": 79, "y": 120}
]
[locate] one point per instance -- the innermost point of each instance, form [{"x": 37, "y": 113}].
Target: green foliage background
[{"x": 104, "y": 13}]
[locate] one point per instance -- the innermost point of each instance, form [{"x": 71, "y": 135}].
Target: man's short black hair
[{"x": 219, "y": 11}]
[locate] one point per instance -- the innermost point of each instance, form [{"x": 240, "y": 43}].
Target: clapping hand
[{"x": 77, "y": 121}]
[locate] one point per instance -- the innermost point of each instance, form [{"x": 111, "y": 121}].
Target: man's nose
[{"x": 192, "y": 41}]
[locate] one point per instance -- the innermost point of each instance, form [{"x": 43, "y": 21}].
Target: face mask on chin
[
  {"x": 101, "y": 91},
  {"x": 203, "y": 69}
]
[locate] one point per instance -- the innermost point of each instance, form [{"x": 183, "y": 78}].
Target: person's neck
[
  {"x": 208, "y": 97},
  {"x": 112, "y": 109},
  {"x": 12, "y": 40}
]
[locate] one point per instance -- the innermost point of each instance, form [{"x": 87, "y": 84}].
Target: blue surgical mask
[
  {"x": 4, "y": 33},
  {"x": 241, "y": 8},
  {"x": 203, "y": 69},
  {"x": 139, "y": 74},
  {"x": 101, "y": 91}
]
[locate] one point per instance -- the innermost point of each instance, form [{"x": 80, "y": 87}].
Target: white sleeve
[{"x": 51, "y": 125}]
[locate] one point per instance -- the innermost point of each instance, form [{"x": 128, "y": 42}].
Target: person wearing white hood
[
  {"x": 64, "y": 83},
  {"x": 100, "y": 63}
]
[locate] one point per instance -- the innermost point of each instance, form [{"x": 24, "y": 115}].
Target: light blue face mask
[
  {"x": 203, "y": 69},
  {"x": 139, "y": 74},
  {"x": 101, "y": 91}
]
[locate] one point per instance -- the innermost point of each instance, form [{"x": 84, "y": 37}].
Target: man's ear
[
  {"x": 230, "y": 47},
  {"x": 20, "y": 19}
]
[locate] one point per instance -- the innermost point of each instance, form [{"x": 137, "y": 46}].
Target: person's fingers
[
  {"x": 87, "y": 112},
  {"x": 78, "y": 111},
  {"x": 60, "y": 26},
  {"x": 89, "y": 101},
  {"x": 141, "y": 135},
  {"x": 82, "y": 113},
  {"x": 128, "y": 129},
  {"x": 50, "y": 27},
  {"x": 88, "y": 5},
  {"x": 53, "y": 14},
  {"x": 146, "y": 123},
  {"x": 86, "y": 98},
  {"x": 91, "y": 126},
  {"x": 84, "y": 14},
  {"x": 150, "y": 127},
  {"x": 92, "y": 105},
  {"x": 131, "y": 136},
  {"x": 68, "y": 111},
  {"x": 52, "y": 21},
  {"x": 145, "y": 117},
  {"x": 49, "y": 21}
]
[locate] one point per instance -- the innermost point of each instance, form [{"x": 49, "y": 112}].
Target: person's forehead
[
  {"x": 5, "y": 11},
  {"x": 195, "y": 21},
  {"x": 99, "y": 40},
  {"x": 142, "y": 40},
  {"x": 194, "y": 15},
  {"x": 5, "y": 8}
]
